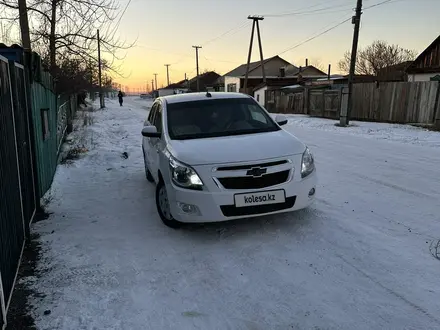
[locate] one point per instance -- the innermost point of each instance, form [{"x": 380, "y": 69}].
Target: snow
[{"x": 357, "y": 259}]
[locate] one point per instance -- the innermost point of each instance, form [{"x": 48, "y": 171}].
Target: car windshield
[{"x": 217, "y": 117}]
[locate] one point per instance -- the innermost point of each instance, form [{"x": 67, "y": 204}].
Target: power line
[
  {"x": 120, "y": 18},
  {"x": 380, "y": 3},
  {"x": 334, "y": 27},
  {"x": 237, "y": 28},
  {"x": 309, "y": 11},
  {"x": 316, "y": 36},
  {"x": 230, "y": 32}
]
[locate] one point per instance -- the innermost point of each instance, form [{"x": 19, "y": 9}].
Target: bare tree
[
  {"x": 371, "y": 59},
  {"x": 66, "y": 29}
]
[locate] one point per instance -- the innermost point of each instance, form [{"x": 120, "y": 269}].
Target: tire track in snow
[{"x": 391, "y": 291}]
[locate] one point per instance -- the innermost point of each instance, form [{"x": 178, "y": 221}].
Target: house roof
[
  {"x": 241, "y": 70},
  {"x": 397, "y": 67},
  {"x": 180, "y": 84},
  {"x": 276, "y": 82},
  {"x": 206, "y": 79},
  {"x": 396, "y": 72},
  {"x": 305, "y": 71},
  {"x": 419, "y": 60}
]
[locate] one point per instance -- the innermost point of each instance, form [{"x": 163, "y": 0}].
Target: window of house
[
  {"x": 232, "y": 88},
  {"x": 258, "y": 97},
  {"x": 45, "y": 123}
]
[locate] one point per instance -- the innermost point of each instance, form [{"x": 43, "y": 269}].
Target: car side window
[
  {"x": 256, "y": 114},
  {"x": 152, "y": 114},
  {"x": 158, "y": 118}
]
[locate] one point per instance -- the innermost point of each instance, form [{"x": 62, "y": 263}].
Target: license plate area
[{"x": 260, "y": 198}]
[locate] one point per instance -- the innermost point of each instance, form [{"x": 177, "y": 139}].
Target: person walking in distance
[{"x": 120, "y": 96}]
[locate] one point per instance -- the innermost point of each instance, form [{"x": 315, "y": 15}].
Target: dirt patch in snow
[{"x": 20, "y": 309}]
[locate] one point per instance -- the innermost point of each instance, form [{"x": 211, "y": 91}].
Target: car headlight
[
  {"x": 184, "y": 176},
  {"x": 307, "y": 163}
]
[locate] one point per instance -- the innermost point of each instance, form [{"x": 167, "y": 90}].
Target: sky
[{"x": 166, "y": 30}]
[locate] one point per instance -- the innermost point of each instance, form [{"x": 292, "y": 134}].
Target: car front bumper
[{"x": 192, "y": 206}]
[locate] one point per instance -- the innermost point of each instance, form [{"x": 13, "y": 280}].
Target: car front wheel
[{"x": 163, "y": 206}]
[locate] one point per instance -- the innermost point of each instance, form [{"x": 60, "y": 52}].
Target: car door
[
  {"x": 155, "y": 143},
  {"x": 146, "y": 144}
]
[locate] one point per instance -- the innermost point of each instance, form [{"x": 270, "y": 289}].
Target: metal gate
[
  {"x": 17, "y": 198},
  {"x": 24, "y": 144}
]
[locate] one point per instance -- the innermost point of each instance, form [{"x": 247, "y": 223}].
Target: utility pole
[
  {"x": 255, "y": 23},
  {"x": 168, "y": 74},
  {"x": 155, "y": 79},
  {"x": 152, "y": 85},
  {"x": 24, "y": 25},
  {"x": 101, "y": 95},
  {"x": 356, "y": 20},
  {"x": 197, "y": 66}
]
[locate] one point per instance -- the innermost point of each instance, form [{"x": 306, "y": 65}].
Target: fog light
[
  {"x": 188, "y": 208},
  {"x": 312, "y": 192}
]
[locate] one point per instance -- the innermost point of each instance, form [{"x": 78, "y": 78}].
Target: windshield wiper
[{"x": 223, "y": 134}]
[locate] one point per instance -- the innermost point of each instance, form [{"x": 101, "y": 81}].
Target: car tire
[
  {"x": 161, "y": 199},
  {"x": 147, "y": 171}
]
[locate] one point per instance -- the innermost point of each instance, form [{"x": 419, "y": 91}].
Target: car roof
[{"x": 189, "y": 97}]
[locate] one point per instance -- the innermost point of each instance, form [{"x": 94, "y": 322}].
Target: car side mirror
[
  {"x": 281, "y": 120},
  {"x": 151, "y": 132}
]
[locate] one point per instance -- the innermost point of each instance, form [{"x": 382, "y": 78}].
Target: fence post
[
  {"x": 323, "y": 104},
  {"x": 344, "y": 102},
  {"x": 436, "y": 116},
  {"x": 306, "y": 101},
  {"x": 69, "y": 116}
]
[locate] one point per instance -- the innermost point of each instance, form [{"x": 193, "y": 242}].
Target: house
[
  {"x": 342, "y": 80},
  {"x": 290, "y": 75},
  {"x": 233, "y": 81},
  {"x": 308, "y": 72},
  {"x": 271, "y": 84},
  {"x": 394, "y": 73},
  {"x": 176, "y": 88},
  {"x": 427, "y": 65},
  {"x": 206, "y": 80}
]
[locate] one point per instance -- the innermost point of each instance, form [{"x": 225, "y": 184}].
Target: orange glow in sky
[{"x": 166, "y": 30}]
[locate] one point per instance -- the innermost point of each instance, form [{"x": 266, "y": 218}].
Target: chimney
[
  {"x": 307, "y": 62},
  {"x": 282, "y": 72},
  {"x": 329, "y": 71}
]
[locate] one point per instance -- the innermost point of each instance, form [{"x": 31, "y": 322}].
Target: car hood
[{"x": 238, "y": 148}]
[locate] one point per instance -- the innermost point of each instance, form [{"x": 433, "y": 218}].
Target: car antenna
[{"x": 208, "y": 94}]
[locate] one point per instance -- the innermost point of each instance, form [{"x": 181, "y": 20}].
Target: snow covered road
[{"x": 358, "y": 259}]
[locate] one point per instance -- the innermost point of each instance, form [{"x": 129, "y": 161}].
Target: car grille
[
  {"x": 233, "y": 211},
  {"x": 248, "y": 167},
  {"x": 249, "y": 182}
]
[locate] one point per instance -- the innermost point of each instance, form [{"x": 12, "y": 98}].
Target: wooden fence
[
  {"x": 394, "y": 102},
  {"x": 397, "y": 102},
  {"x": 281, "y": 103},
  {"x": 324, "y": 103}
]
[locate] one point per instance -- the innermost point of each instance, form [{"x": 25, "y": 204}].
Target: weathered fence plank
[{"x": 397, "y": 102}]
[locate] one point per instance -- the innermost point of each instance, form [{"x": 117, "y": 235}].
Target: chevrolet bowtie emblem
[{"x": 256, "y": 172}]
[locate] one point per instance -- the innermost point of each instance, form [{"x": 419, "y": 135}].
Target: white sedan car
[{"x": 221, "y": 156}]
